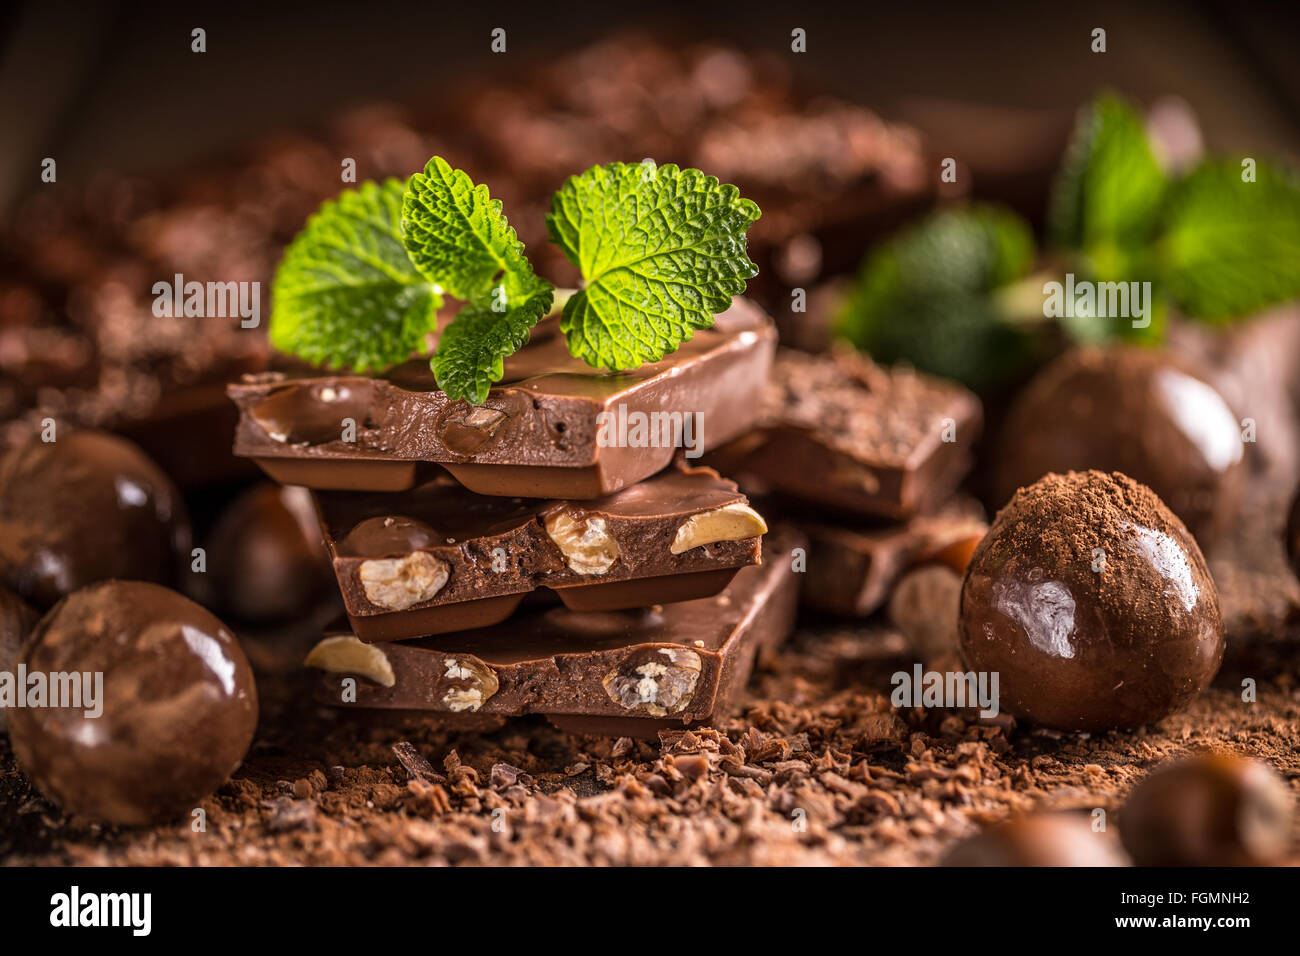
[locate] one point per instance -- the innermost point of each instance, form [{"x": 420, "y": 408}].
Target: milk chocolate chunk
[
  {"x": 1133, "y": 410},
  {"x": 553, "y": 428},
  {"x": 176, "y": 707},
  {"x": 1209, "y": 810},
  {"x": 84, "y": 508},
  {"x": 852, "y": 568},
  {"x": 1093, "y": 603},
  {"x": 441, "y": 558},
  {"x": 634, "y": 671},
  {"x": 840, "y": 431}
]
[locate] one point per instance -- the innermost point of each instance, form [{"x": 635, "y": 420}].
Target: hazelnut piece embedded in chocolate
[
  {"x": 85, "y": 508},
  {"x": 1209, "y": 810},
  {"x": 176, "y": 715},
  {"x": 1093, "y": 604}
]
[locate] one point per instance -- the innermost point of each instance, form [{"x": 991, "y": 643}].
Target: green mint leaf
[
  {"x": 661, "y": 251},
  {"x": 456, "y": 234},
  {"x": 1109, "y": 187},
  {"x": 927, "y": 297},
  {"x": 472, "y": 350},
  {"x": 1228, "y": 248},
  {"x": 346, "y": 293}
]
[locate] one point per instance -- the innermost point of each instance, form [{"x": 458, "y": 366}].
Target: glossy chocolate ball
[
  {"x": 266, "y": 560},
  {"x": 1210, "y": 810},
  {"x": 85, "y": 508},
  {"x": 17, "y": 618},
  {"x": 1092, "y": 603},
  {"x": 176, "y": 714},
  {"x": 1133, "y": 410},
  {"x": 1040, "y": 839}
]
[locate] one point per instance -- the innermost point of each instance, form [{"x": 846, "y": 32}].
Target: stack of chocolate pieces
[
  {"x": 551, "y": 551},
  {"x": 866, "y": 461}
]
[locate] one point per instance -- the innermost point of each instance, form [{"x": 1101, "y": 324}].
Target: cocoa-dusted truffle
[
  {"x": 87, "y": 507},
  {"x": 178, "y": 704},
  {"x": 1040, "y": 839},
  {"x": 1093, "y": 603},
  {"x": 266, "y": 560},
  {"x": 1134, "y": 410},
  {"x": 1208, "y": 810}
]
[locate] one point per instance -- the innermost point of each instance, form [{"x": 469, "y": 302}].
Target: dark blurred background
[{"x": 114, "y": 85}]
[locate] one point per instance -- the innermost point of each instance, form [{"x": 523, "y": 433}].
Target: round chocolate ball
[
  {"x": 85, "y": 508},
  {"x": 1040, "y": 839},
  {"x": 17, "y": 618},
  {"x": 1210, "y": 810},
  {"x": 1134, "y": 410},
  {"x": 176, "y": 714},
  {"x": 1092, "y": 603},
  {"x": 266, "y": 560}
]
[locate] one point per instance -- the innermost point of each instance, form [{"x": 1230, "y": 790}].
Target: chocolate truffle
[
  {"x": 1040, "y": 839},
  {"x": 1134, "y": 410},
  {"x": 86, "y": 508},
  {"x": 178, "y": 704},
  {"x": 1209, "y": 810},
  {"x": 266, "y": 561},
  {"x": 1093, "y": 603},
  {"x": 17, "y": 618}
]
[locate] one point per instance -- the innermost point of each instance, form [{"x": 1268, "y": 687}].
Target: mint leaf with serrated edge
[
  {"x": 661, "y": 251},
  {"x": 456, "y": 234},
  {"x": 346, "y": 293},
  {"x": 472, "y": 350},
  {"x": 1227, "y": 248},
  {"x": 1109, "y": 186}
]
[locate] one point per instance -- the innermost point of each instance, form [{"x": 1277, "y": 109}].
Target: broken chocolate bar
[
  {"x": 852, "y": 570},
  {"x": 867, "y": 440},
  {"x": 554, "y": 428},
  {"x": 618, "y": 672},
  {"x": 440, "y": 558}
]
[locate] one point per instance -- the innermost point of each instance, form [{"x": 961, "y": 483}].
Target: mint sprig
[
  {"x": 661, "y": 251},
  {"x": 472, "y": 350},
  {"x": 346, "y": 294},
  {"x": 1226, "y": 247}
]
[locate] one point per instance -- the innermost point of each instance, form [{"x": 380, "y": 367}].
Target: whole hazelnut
[
  {"x": 167, "y": 708},
  {"x": 1040, "y": 839},
  {"x": 1209, "y": 810}
]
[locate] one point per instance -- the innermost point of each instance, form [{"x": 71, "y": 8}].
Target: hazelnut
[
  {"x": 659, "y": 681},
  {"x": 925, "y": 606},
  {"x": 466, "y": 684},
  {"x": 345, "y": 654},
  {"x": 732, "y": 522},
  {"x": 585, "y": 543},
  {"x": 399, "y": 583}
]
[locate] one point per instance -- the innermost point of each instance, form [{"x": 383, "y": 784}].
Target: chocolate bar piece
[
  {"x": 842, "y": 432},
  {"x": 440, "y": 558},
  {"x": 852, "y": 570},
  {"x": 554, "y": 428},
  {"x": 618, "y": 672}
]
